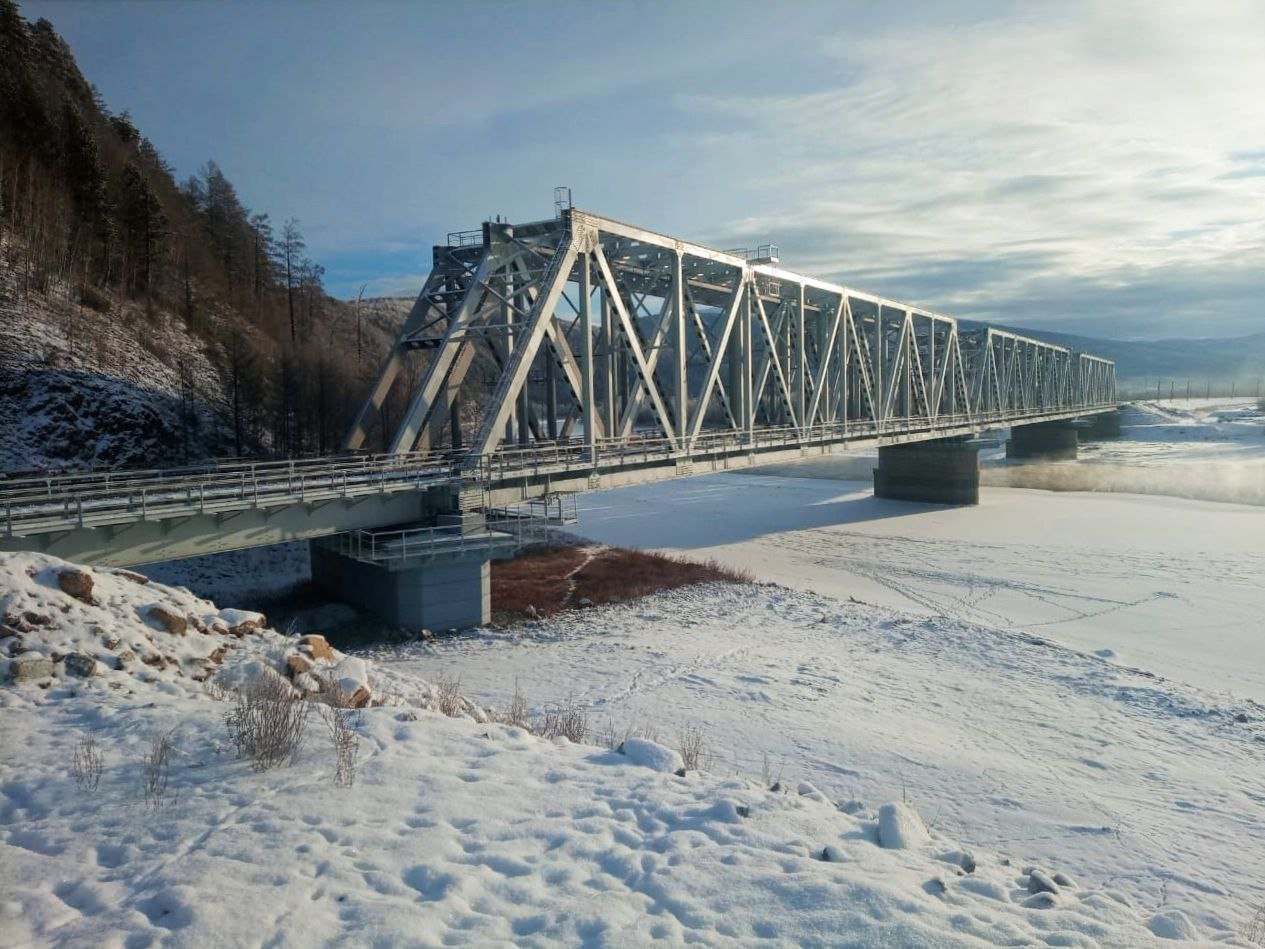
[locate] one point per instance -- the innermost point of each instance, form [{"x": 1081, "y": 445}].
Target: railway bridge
[{"x": 589, "y": 353}]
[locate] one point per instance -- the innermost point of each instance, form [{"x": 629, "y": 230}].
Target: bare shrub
[
  {"x": 567, "y": 720},
  {"x": 449, "y": 698},
  {"x": 266, "y": 723},
  {"x": 546, "y": 581},
  {"x": 215, "y": 691},
  {"x": 341, "y": 725},
  {"x": 86, "y": 764},
  {"x": 157, "y": 769},
  {"x": 1255, "y": 931},
  {"x": 692, "y": 746},
  {"x": 516, "y": 713},
  {"x": 766, "y": 773},
  {"x": 611, "y": 736}
]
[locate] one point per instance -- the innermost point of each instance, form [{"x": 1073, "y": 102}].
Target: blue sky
[{"x": 1088, "y": 167}]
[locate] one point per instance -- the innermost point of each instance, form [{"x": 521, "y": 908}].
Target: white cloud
[{"x": 1102, "y": 144}]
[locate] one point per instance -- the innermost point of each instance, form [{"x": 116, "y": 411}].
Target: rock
[
  {"x": 112, "y": 642},
  {"x": 242, "y": 622},
  {"x": 350, "y": 680},
  {"x": 297, "y": 664},
  {"x": 967, "y": 863},
  {"x": 531, "y": 611},
  {"x": 156, "y": 660},
  {"x": 169, "y": 619},
  {"x": 37, "y": 619},
  {"x": 900, "y": 827},
  {"x": 31, "y": 666},
  {"x": 6, "y": 631},
  {"x": 584, "y": 601},
  {"x": 1041, "y": 901},
  {"x": 1062, "y": 879},
  {"x": 649, "y": 754},
  {"x": 1242, "y": 718},
  {"x": 82, "y": 665},
  {"x": 1039, "y": 882},
  {"x": 126, "y": 657},
  {"x": 425, "y": 635},
  {"x": 832, "y": 854},
  {"x": 852, "y": 807},
  {"x": 77, "y": 582},
  {"x": 314, "y": 645},
  {"x": 132, "y": 575}
]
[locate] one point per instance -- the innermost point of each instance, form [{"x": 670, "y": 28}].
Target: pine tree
[
  {"x": 144, "y": 226},
  {"x": 288, "y": 256}
]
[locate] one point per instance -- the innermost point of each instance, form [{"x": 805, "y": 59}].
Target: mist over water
[{"x": 1234, "y": 482}]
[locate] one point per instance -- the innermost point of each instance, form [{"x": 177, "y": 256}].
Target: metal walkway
[{"x": 689, "y": 360}]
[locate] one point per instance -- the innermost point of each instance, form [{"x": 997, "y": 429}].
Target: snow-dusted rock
[
  {"x": 31, "y": 666},
  {"x": 315, "y": 645},
  {"x": 351, "y": 678},
  {"x": 1039, "y": 882},
  {"x": 900, "y": 827},
  {"x": 76, "y": 581},
  {"x": 649, "y": 754},
  {"x": 83, "y": 665},
  {"x": 168, "y": 619}
]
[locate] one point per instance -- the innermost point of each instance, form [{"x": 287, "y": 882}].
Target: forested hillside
[{"x": 145, "y": 319}]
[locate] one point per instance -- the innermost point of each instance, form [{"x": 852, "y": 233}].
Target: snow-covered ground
[
  {"x": 466, "y": 831},
  {"x": 1064, "y": 679}
]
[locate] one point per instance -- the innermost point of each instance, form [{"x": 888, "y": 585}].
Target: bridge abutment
[
  {"x": 945, "y": 471},
  {"x": 1045, "y": 441}
]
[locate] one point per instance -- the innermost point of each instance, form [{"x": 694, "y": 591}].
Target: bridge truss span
[{"x": 588, "y": 332}]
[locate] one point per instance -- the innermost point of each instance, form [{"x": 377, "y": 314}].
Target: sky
[{"x": 1095, "y": 168}]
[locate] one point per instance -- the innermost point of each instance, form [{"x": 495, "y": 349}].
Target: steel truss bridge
[{"x": 593, "y": 353}]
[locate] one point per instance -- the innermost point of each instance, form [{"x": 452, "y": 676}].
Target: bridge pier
[
  {"x": 430, "y": 581},
  {"x": 944, "y": 471},
  {"x": 1044, "y": 441},
  {"x": 1103, "y": 425}
]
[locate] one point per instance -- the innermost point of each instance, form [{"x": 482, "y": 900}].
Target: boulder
[
  {"x": 82, "y": 665},
  {"x": 242, "y": 622},
  {"x": 297, "y": 664},
  {"x": 77, "y": 582},
  {"x": 31, "y": 666},
  {"x": 169, "y": 619},
  {"x": 132, "y": 575},
  {"x": 314, "y": 645}
]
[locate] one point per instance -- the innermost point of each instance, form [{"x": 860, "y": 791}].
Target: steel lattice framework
[{"x": 602, "y": 335}]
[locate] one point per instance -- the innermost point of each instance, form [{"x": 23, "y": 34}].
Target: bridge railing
[{"x": 59, "y": 502}]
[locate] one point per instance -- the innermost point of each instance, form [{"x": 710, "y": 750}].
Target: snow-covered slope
[{"x": 457, "y": 831}]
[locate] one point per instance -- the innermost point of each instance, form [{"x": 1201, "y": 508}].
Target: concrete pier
[
  {"x": 945, "y": 471},
  {"x": 428, "y": 578},
  {"x": 1103, "y": 425},
  {"x": 1046, "y": 441}
]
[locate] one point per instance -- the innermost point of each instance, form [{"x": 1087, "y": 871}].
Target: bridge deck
[{"x": 107, "y": 503}]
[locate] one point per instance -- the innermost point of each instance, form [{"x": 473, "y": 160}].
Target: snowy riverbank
[{"x": 458, "y": 831}]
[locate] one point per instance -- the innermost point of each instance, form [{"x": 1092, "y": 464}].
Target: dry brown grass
[{"x": 552, "y": 580}]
